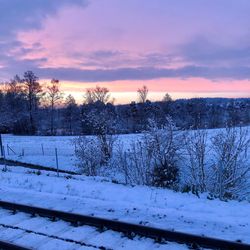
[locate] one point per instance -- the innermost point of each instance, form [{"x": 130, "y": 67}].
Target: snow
[
  {"x": 35, "y": 146},
  {"x": 139, "y": 204},
  {"x": 98, "y": 196},
  {"x": 40, "y": 150},
  {"x": 42, "y": 233}
]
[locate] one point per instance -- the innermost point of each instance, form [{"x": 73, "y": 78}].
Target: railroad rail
[
  {"x": 9, "y": 246},
  {"x": 128, "y": 229}
]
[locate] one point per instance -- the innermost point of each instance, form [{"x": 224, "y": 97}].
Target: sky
[{"x": 188, "y": 48}]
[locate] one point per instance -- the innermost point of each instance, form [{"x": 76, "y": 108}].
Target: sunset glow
[
  {"x": 125, "y": 91},
  {"x": 186, "y": 48}
]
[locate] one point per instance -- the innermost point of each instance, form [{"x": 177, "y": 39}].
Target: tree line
[{"x": 28, "y": 107}]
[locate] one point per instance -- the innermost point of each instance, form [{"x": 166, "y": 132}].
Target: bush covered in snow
[
  {"x": 89, "y": 154},
  {"x": 217, "y": 164},
  {"x": 229, "y": 163},
  {"x": 151, "y": 160},
  {"x": 196, "y": 160},
  {"x": 169, "y": 158}
]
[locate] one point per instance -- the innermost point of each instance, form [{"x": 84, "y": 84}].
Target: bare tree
[
  {"x": 140, "y": 160},
  {"x": 122, "y": 163},
  {"x": 230, "y": 162},
  {"x": 89, "y": 96},
  {"x": 105, "y": 133},
  {"x": 143, "y": 94},
  {"x": 97, "y": 94},
  {"x": 33, "y": 91},
  {"x": 134, "y": 163},
  {"x": 70, "y": 112},
  {"x": 94, "y": 152},
  {"x": 164, "y": 143},
  {"x": 233, "y": 113},
  {"x": 89, "y": 155},
  {"x": 14, "y": 99},
  {"x": 53, "y": 96},
  {"x": 152, "y": 159},
  {"x": 196, "y": 149},
  {"x": 14, "y": 86},
  {"x": 167, "y": 98}
]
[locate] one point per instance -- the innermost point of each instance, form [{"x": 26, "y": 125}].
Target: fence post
[
  {"x": 42, "y": 149},
  {"x": 1, "y": 145},
  {"x": 8, "y": 151},
  {"x": 220, "y": 182},
  {"x": 57, "y": 168},
  {"x": 4, "y": 159},
  {"x": 126, "y": 168}
]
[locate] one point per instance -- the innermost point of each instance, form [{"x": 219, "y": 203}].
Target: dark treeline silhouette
[{"x": 27, "y": 107}]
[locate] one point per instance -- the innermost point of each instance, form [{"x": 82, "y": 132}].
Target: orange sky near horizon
[
  {"x": 185, "y": 48},
  {"x": 126, "y": 91}
]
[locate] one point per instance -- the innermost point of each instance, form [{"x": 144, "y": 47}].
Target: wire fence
[
  {"x": 37, "y": 150},
  {"x": 59, "y": 155}
]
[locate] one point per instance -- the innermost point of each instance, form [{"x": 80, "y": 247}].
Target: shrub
[
  {"x": 230, "y": 163},
  {"x": 89, "y": 155}
]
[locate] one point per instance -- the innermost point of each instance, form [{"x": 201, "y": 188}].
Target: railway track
[
  {"x": 44, "y": 228},
  {"x": 8, "y": 246},
  {"x": 38, "y": 228}
]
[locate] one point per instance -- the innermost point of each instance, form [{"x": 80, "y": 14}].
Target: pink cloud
[
  {"x": 132, "y": 27},
  {"x": 148, "y": 34}
]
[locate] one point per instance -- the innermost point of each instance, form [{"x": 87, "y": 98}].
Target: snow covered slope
[{"x": 149, "y": 206}]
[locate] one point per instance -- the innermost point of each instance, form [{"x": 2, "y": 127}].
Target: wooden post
[
  {"x": 57, "y": 168},
  {"x": 220, "y": 182},
  {"x": 4, "y": 159},
  {"x": 1, "y": 145},
  {"x": 125, "y": 168},
  {"x": 42, "y": 149}
]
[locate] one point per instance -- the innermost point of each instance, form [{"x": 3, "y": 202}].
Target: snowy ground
[
  {"x": 41, "y": 233},
  {"x": 41, "y": 149},
  {"x": 98, "y": 196},
  {"x": 149, "y": 206}
]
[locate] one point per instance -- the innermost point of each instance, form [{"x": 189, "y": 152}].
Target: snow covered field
[
  {"x": 150, "y": 206},
  {"x": 41, "y": 149}
]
